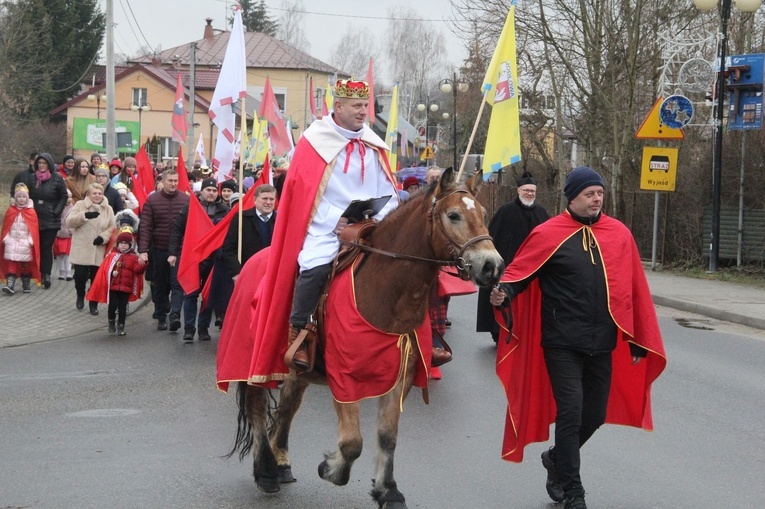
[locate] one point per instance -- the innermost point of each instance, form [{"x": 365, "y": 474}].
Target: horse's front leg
[
  {"x": 290, "y": 398},
  {"x": 384, "y": 489},
  {"x": 336, "y": 467},
  {"x": 264, "y": 467}
]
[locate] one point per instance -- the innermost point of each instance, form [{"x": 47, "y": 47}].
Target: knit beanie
[
  {"x": 579, "y": 179},
  {"x": 21, "y": 189},
  {"x": 229, "y": 184},
  {"x": 209, "y": 182},
  {"x": 66, "y": 158},
  {"x": 101, "y": 171},
  {"x": 130, "y": 161},
  {"x": 125, "y": 236},
  {"x": 410, "y": 181}
]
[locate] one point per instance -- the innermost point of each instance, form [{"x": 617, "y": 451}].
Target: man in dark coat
[
  {"x": 257, "y": 229},
  {"x": 509, "y": 227}
]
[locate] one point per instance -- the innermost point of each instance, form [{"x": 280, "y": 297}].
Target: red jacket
[
  {"x": 128, "y": 278},
  {"x": 128, "y": 271}
]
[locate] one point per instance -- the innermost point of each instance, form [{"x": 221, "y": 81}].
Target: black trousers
[
  {"x": 580, "y": 384},
  {"x": 308, "y": 289},
  {"x": 47, "y": 238},
  {"x": 83, "y": 274},
  {"x": 118, "y": 302},
  {"x": 165, "y": 283}
]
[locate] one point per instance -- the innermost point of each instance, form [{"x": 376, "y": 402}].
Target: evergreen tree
[
  {"x": 255, "y": 18},
  {"x": 46, "y": 47}
]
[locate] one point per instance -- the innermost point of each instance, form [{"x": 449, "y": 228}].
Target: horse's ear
[
  {"x": 447, "y": 180},
  {"x": 475, "y": 182}
]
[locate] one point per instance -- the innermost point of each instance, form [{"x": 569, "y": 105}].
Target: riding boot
[
  {"x": 121, "y": 329},
  {"x": 112, "y": 328},
  {"x": 25, "y": 283},
  {"x": 10, "y": 283},
  {"x": 300, "y": 361}
]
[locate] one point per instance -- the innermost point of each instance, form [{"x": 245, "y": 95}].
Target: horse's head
[{"x": 458, "y": 231}]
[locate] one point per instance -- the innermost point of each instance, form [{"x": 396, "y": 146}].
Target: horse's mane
[{"x": 393, "y": 222}]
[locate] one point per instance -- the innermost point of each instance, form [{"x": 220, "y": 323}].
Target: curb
[{"x": 710, "y": 311}]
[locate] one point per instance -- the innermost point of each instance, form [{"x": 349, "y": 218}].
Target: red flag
[
  {"x": 144, "y": 172},
  {"x": 198, "y": 224},
  {"x": 183, "y": 175},
  {"x": 140, "y": 194},
  {"x": 371, "y": 80},
  {"x": 179, "y": 118},
  {"x": 265, "y": 176},
  {"x": 311, "y": 98},
  {"x": 277, "y": 127},
  {"x": 215, "y": 237}
]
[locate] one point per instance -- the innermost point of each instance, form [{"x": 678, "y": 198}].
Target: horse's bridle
[{"x": 457, "y": 250}]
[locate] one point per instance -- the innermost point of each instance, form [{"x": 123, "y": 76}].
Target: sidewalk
[{"x": 44, "y": 315}]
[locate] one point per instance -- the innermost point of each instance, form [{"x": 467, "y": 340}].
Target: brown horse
[{"x": 443, "y": 225}]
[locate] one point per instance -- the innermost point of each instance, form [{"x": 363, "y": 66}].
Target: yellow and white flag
[
  {"x": 500, "y": 87},
  {"x": 391, "y": 136},
  {"x": 258, "y": 145}
]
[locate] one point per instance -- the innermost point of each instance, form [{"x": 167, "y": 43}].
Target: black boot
[
  {"x": 26, "y": 283},
  {"x": 46, "y": 281},
  {"x": 112, "y": 328},
  {"x": 93, "y": 307},
  {"x": 188, "y": 333},
  {"x": 175, "y": 322},
  {"x": 10, "y": 283},
  {"x": 121, "y": 329},
  {"x": 204, "y": 334}
]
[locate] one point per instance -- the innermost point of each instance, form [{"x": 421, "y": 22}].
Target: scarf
[{"x": 42, "y": 176}]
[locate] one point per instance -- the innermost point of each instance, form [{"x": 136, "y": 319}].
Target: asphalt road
[{"x": 136, "y": 422}]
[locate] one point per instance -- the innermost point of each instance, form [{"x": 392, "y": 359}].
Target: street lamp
[
  {"x": 707, "y": 5},
  {"x": 98, "y": 98},
  {"x": 432, "y": 106},
  {"x": 140, "y": 109},
  {"x": 451, "y": 86}
]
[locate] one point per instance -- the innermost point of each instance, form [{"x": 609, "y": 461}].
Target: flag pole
[
  {"x": 243, "y": 129},
  {"x": 472, "y": 136}
]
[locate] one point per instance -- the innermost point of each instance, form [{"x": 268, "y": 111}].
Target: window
[
  {"x": 280, "y": 93},
  {"x": 139, "y": 97}
]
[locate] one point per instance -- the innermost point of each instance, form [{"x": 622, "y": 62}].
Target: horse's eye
[{"x": 453, "y": 216}]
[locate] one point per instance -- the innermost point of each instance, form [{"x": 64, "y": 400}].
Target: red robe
[
  {"x": 520, "y": 363},
  {"x": 303, "y": 190},
  {"x": 99, "y": 289},
  {"x": 30, "y": 218}
]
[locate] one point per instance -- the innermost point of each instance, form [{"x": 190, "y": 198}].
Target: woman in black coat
[{"x": 47, "y": 190}]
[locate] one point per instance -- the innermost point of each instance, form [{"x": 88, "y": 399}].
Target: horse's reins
[{"x": 457, "y": 249}]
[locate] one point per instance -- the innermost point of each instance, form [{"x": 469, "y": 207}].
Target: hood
[
  {"x": 48, "y": 158},
  {"x": 127, "y": 217}
]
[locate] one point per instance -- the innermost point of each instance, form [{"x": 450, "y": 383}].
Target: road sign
[
  {"x": 428, "y": 153},
  {"x": 676, "y": 111},
  {"x": 654, "y": 129},
  {"x": 745, "y": 84},
  {"x": 659, "y": 169}
]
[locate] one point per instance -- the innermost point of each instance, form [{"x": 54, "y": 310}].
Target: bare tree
[
  {"x": 291, "y": 29},
  {"x": 354, "y": 50}
]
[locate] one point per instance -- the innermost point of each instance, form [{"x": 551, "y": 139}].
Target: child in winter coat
[
  {"x": 63, "y": 243},
  {"x": 20, "y": 246},
  {"x": 119, "y": 280}
]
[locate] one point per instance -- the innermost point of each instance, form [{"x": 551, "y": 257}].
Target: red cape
[
  {"x": 99, "y": 288},
  {"x": 520, "y": 363},
  {"x": 307, "y": 178},
  {"x": 30, "y": 218}
]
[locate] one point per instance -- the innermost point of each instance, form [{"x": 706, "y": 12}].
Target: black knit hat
[
  {"x": 527, "y": 179},
  {"x": 579, "y": 179},
  {"x": 229, "y": 184},
  {"x": 209, "y": 182}
]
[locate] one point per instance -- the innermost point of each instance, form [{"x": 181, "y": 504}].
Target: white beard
[{"x": 526, "y": 201}]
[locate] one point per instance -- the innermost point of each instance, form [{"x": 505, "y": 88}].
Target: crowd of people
[{"x": 573, "y": 287}]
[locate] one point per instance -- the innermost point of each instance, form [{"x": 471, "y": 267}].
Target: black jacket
[
  {"x": 49, "y": 198},
  {"x": 216, "y": 211},
  {"x": 114, "y": 198},
  {"x": 252, "y": 240}
]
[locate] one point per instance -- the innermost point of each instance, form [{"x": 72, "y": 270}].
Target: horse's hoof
[
  {"x": 338, "y": 480},
  {"x": 267, "y": 484},
  {"x": 284, "y": 473}
]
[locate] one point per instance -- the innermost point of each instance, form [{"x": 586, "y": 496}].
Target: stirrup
[{"x": 304, "y": 341}]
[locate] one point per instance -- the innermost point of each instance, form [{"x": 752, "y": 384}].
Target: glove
[
  {"x": 98, "y": 240},
  {"x": 92, "y": 215}
]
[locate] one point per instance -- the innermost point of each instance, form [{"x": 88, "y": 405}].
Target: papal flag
[
  {"x": 500, "y": 87},
  {"x": 391, "y": 136}
]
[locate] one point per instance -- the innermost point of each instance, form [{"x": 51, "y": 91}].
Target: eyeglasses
[{"x": 528, "y": 191}]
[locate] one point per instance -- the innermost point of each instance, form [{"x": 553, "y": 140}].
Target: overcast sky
[{"x": 175, "y": 23}]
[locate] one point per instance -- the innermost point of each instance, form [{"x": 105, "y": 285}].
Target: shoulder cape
[
  {"x": 99, "y": 288},
  {"x": 30, "y": 218},
  {"x": 520, "y": 364}
]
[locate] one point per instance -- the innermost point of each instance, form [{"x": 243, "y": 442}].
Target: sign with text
[
  {"x": 87, "y": 133},
  {"x": 746, "y": 74},
  {"x": 659, "y": 169}
]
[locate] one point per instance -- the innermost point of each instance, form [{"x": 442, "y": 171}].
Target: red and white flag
[
  {"x": 200, "y": 150},
  {"x": 312, "y": 98},
  {"x": 371, "y": 80},
  {"x": 179, "y": 114},
  {"x": 278, "y": 135},
  {"x": 231, "y": 86}
]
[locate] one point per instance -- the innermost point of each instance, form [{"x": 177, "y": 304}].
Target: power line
[
  {"x": 356, "y": 16},
  {"x": 138, "y": 24},
  {"x": 127, "y": 18}
]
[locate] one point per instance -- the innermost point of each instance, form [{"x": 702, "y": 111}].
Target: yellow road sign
[
  {"x": 659, "y": 169},
  {"x": 653, "y": 129},
  {"x": 427, "y": 153}
]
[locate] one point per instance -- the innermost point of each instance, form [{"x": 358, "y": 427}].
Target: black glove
[
  {"x": 98, "y": 240},
  {"x": 92, "y": 215}
]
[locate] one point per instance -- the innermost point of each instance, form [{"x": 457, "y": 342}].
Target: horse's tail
[{"x": 243, "y": 441}]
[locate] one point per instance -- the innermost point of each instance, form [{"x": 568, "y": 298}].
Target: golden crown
[
  {"x": 126, "y": 229},
  {"x": 21, "y": 187},
  {"x": 350, "y": 89}
]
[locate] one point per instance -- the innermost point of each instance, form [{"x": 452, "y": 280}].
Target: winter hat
[
  {"x": 579, "y": 179},
  {"x": 248, "y": 182},
  {"x": 121, "y": 187},
  {"x": 130, "y": 161},
  {"x": 209, "y": 182},
  {"x": 233, "y": 199},
  {"x": 125, "y": 235},
  {"x": 94, "y": 155},
  {"x": 116, "y": 162},
  {"x": 21, "y": 189},
  {"x": 228, "y": 184},
  {"x": 101, "y": 171},
  {"x": 66, "y": 158},
  {"x": 410, "y": 181},
  {"x": 526, "y": 179}
]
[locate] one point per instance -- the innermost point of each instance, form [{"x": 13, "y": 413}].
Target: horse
[{"x": 440, "y": 225}]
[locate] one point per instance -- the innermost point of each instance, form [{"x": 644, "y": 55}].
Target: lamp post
[
  {"x": 707, "y": 5},
  {"x": 140, "y": 109},
  {"x": 451, "y": 86},
  {"x": 97, "y": 98},
  {"x": 427, "y": 107}
]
